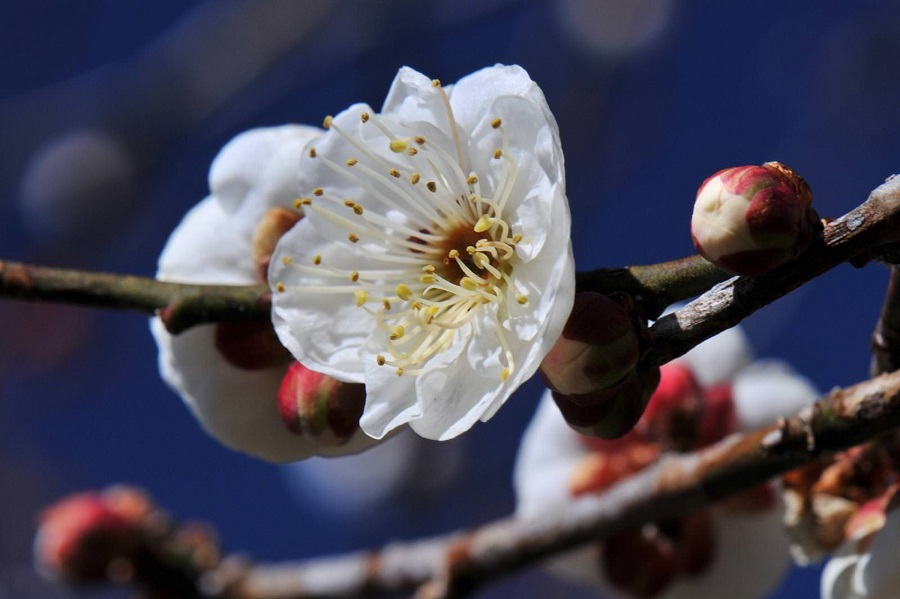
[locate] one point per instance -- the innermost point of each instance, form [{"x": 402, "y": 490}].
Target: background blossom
[
  {"x": 252, "y": 174},
  {"x": 741, "y": 549}
]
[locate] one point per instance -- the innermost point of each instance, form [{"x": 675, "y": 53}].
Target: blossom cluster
[
  {"x": 735, "y": 549},
  {"x": 421, "y": 251}
]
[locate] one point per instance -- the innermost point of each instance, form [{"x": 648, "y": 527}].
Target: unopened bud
[
  {"x": 251, "y": 345},
  {"x": 599, "y": 347},
  {"x": 320, "y": 407},
  {"x": 82, "y": 536},
  {"x": 749, "y": 219},
  {"x": 274, "y": 224},
  {"x": 609, "y": 413},
  {"x": 642, "y": 563}
]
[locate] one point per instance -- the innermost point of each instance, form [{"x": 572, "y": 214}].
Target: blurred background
[{"x": 111, "y": 112}]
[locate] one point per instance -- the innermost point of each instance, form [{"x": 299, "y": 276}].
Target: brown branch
[
  {"x": 874, "y": 223},
  {"x": 180, "y": 305},
  {"x": 886, "y": 336},
  {"x": 455, "y": 565},
  {"x": 655, "y": 286}
]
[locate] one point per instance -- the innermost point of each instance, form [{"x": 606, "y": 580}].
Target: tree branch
[
  {"x": 179, "y": 305},
  {"x": 873, "y": 224},
  {"x": 886, "y": 336},
  {"x": 455, "y": 565}
]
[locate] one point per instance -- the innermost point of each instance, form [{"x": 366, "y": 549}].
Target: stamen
[{"x": 397, "y": 146}]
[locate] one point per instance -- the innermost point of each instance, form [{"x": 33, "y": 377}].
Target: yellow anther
[
  {"x": 522, "y": 299},
  {"x": 360, "y": 297},
  {"x": 504, "y": 374},
  {"x": 379, "y": 359},
  {"x": 404, "y": 292},
  {"x": 427, "y": 279},
  {"x": 317, "y": 259},
  {"x": 432, "y": 186},
  {"x": 305, "y": 201},
  {"x": 279, "y": 287},
  {"x": 432, "y": 311},
  {"x": 428, "y": 268},
  {"x": 453, "y": 254},
  {"x": 497, "y": 154},
  {"x": 480, "y": 260},
  {"x": 348, "y": 203},
  {"x": 468, "y": 283},
  {"x": 414, "y": 178},
  {"x": 398, "y": 145},
  {"x": 416, "y": 305},
  {"x": 481, "y": 243},
  {"x": 357, "y": 209},
  {"x": 435, "y": 83},
  {"x": 386, "y": 303},
  {"x": 287, "y": 260},
  {"x": 364, "y": 117},
  {"x": 318, "y": 191},
  {"x": 394, "y": 173},
  {"x": 412, "y": 152},
  {"x": 399, "y": 372},
  {"x": 517, "y": 238},
  {"x": 312, "y": 152},
  {"x": 354, "y": 276},
  {"x": 470, "y": 249},
  {"x": 351, "y": 161},
  {"x": 483, "y": 224},
  {"x": 472, "y": 180},
  {"x": 353, "y": 237},
  {"x": 298, "y": 203},
  {"x": 327, "y": 122},
  {"x": 420, "y": 140},
  {"x": 397, "y": 333},
  {"x": 496, "y": 123}
]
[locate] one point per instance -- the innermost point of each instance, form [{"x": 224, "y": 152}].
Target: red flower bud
[
  {"x": 749, "y": 219},
  {"x": 642, "y": 562},
  {"x": 82, "y": 535},
  {"x": 599, "y": 347},
  {"x": 609, "y": 413},
  {"x": 320, "y": 407},
  {"x": 250, "y": 345}
]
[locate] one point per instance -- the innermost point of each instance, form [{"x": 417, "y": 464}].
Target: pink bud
[
  {"x": 749, "y": 219},
  {"x": 320, "y": 407},
  {"x": 80, "y": 536},
  {"x": 599, "y": 347}
]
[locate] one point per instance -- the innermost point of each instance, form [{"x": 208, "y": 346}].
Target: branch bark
[
  {"x": 179, "y": 305},
  {"x": 455, "y": 565}
]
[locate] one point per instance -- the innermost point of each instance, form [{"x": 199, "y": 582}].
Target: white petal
[
  {"x": 878, "y": 576},
  {"x": 838, "y": 574},
  {"x": 767, "y": 390}
]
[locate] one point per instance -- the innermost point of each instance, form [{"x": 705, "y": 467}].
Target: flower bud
[
  {"x": 609, "y": 413},
  {"x": 320, "y": 407},
  {"x": 749, "y": 219},
  {"x": 250, "y": 345},
  {"x": 275, "y": 223},
  {"x": 80, "y": 537},
  {"x": 642, "y": 563},
  {"x": 599, "y": 347}
]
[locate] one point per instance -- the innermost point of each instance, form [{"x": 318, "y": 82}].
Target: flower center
[{"x": 434, "y": 250}]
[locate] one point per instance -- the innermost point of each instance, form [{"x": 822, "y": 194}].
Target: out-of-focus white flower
[
  {"x": 434, "y": 263},
  {"x": 865, "y": 566},
  {"x": 229, "y": 374},
  {"x": 737, "y": 549}
]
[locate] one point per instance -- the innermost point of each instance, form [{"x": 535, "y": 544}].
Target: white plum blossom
[
  {"x": 741, "y": 550},
  {"x": 214, "y": 243},
  {"x": 434, "y": 263},
  {"x": 865, "y": 566}
]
